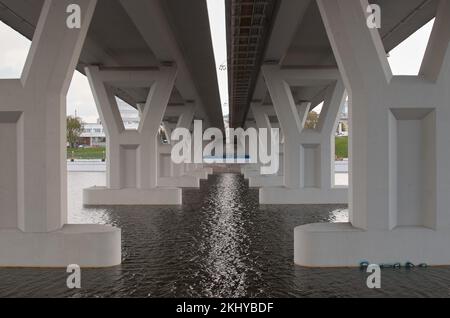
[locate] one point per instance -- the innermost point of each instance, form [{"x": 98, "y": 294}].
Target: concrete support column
[
  {"x": 185, "y": 121},
  {"x": 132, "y": 155},
  {"x": 178, "y": 175},
  {"x": 399, "y": 150},
  {"x": 165, "y": 162},
  {"x": 308, "y": 153},
  {"x": 169, "y": 129},
  {"x": 253, "y": 171},
  {"x": 33, "y": 185},
  {"x": 287, "y": 114}
]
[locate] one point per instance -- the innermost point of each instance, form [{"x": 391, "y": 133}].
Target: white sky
[
  {"x": 404, "y": 60},
  {"x": 216, "y": 10}
]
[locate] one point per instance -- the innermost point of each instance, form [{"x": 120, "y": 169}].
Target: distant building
[
  {"x": 226, "y": 123},
  {"x": 93, "y": 134},
  {"x": 342, "y": 128}
]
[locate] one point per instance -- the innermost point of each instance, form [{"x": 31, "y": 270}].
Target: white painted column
[
  {"x": 185, "y": 121},
  {"x": 261, "y": 114},
  {"x": 262, "y": 122},
  {"x": 288, "y": 116},
  {"x": 165, "y": 162},
  {"x": 171, "y": 127},
  {"x": 399, "y": 150},
  {"x": 308, "y": 153},
  {"x": 33, "y": 167},
  {"x": 193, "y": 170},
  {"x": 132, "y": 156},
  {"x": 181, "y": 175},
  {"x": 253, "y": 171}
]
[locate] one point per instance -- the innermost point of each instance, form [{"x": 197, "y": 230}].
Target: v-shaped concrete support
[
  {"x": 399, "y": 149},
  {"x": 177, "y": 175},
  {"x": 308, "y": 153},
  {"x": 132, "y": 156},
  {"x": 33, "y": 185}
]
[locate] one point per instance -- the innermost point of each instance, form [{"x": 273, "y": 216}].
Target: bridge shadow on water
[{"x": 219, "y": 243}]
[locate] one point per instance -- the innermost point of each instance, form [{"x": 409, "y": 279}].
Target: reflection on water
[
  {"x": 76, "y": 182},
  {"x": 220, "y": 243},
  {"x": 223, "y": 246}
]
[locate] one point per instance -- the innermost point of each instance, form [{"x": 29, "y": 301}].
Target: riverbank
[{"x": 97, "y": 165}]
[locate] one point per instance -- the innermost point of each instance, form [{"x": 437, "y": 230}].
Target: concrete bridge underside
[
  {"x": 155, "y": 55},
  {"x": 282, "y": 57},
  {"x": 285, "y": 58}
]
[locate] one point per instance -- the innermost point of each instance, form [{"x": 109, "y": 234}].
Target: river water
[{"x": 219, "y": 243}]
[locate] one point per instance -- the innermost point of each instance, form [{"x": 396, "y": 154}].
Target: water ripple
[{"x": 219, "y": 243}]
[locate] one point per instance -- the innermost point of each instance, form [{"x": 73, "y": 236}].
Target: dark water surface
[{"x": 220, "y": 243}]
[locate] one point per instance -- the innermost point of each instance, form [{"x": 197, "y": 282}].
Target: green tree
[
  {"x": 74, "y": 130},
  {"x": 312, "y": 120}
]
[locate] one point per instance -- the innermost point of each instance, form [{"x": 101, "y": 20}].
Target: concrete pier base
[
  {"x": 342, "y": 245},
  {"x": 252, "y": 171},
  {"x": 157, "y": 196},
  {"x": 282, "y": 195},
  {"x": 201, "y": 173},
  {"x": 84, "y": 245},
  {"x": 262, "y": 181},
  {"x": 179, "y": 182}
]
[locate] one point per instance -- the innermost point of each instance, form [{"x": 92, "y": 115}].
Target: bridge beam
[{"x": 253, "y": 171}]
